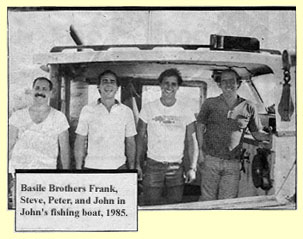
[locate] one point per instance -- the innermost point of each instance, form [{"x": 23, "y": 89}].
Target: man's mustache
[{"x": 38, "y": 94}]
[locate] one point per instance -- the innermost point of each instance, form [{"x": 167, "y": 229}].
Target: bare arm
[
  {"x": 64, "y": 149},
  {"x": 264, "y": 138},
  {"x": 200, "y": 128},
  {"x": 80, "y": 150},
  {"x": 255, "y": 127},
  {"x": 141, "y": 141},
  {"x": 261, "y": 136},
  {"x": 130, "y": 151},
  {"x": 12, "y": 139},
  {"x": 190, "y": 134}
]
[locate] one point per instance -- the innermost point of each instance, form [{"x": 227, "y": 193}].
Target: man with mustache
[
  {"x": 39, "y": 134},
  {"x": 107, "y": 128},
  {"x": 164, "y": 127},
  {"x": 221, "y": 125}
]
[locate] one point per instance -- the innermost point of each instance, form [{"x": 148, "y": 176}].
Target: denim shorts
[{"x": 160, "y": 174}]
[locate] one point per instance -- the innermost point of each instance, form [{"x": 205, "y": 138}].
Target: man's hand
[
  {"x": 64, "y": 149},
  {"x": 130, "y": 144},
  {"x": 268, "y": 143},
  {"x": 141, "y": 140},
  {"x": 190, "y": 175},
  {"x": 12, "y": 139},
  {"x": 80, "y": 150},
  {"x": 264, "y": 138},
  {"x": 201, "y": 157},
  {"x": 140, "y": 172}
]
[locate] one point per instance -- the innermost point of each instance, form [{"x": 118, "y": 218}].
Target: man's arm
[
  {"x": 200, "y": 128},
  {"x": 64, "y": 149},
  {"x": 12, "y": 139},
  {"x": 191, "y": 173},
  {"x": 130, "y": 151},
  {"x": 141, "y": 141},
  {"x": 262, "y": 136},
  {"x": 80, "y": 150},
  {"x": 255, "y": 127}
]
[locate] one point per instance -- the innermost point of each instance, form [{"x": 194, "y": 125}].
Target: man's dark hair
[
  {"x": 171, "y": 72},
  {"x": 217, "y": 76},
  {"x": 106, "y": 73},
  {"x": 43, "y": 78}
]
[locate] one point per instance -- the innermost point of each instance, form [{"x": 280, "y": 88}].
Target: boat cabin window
[{"x": 265, "y": 84}]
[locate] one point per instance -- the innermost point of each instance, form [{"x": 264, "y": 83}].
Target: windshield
[{"x": 265, "y": 85}]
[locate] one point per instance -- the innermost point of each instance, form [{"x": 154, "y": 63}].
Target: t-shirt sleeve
[
  {"x": 82, "y": 128},
  {"x": 254, "y": 123},
  {"x": 62, "y": 123},
  {"x": 15, "y": 119},
  {"x": 144, "y": 115},
  {"x": 190, "y": 117},
  {"x": 204, "y": 112},
  {"x": 130, "y": 129}
]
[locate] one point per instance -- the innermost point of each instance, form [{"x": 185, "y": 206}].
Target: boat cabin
[{"x": 268, "y": 80}]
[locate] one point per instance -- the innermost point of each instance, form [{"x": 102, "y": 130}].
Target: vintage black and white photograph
[{"x": 201, "y": 102}]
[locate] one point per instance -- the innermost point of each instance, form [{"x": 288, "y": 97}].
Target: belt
[
  {"x": 228, "y": 157},
  {"x": 164, "y": 162}
]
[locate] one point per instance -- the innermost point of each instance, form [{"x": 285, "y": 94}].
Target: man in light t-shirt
[
  {"x": 108, "y": 127},
  {"x": 165, "y": 126},
  {"x": 39, "y": 133}
]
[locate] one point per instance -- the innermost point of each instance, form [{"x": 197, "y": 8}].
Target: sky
[{"x": 36, "y": 32}]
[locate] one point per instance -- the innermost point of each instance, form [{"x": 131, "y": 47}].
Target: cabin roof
[{"x": 154, "y": 58}]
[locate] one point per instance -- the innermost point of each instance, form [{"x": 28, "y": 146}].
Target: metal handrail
[
  {"x": 139, "y": 46},
  {"x": 57, "y": 49}
]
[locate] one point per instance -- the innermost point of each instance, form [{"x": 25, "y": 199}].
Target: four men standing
[{"x": 166, "y": 131}]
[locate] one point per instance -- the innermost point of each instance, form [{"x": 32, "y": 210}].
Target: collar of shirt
[
  {"x": 99, "y": 102},
  {"x": 103, "y": 108},
  {"x": 239, "y": 100}
]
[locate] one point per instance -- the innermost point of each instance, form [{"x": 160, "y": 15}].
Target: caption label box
[{"x": 76, "y": 202}]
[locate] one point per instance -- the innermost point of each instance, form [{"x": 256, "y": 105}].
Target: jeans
[
  {"x": 219, "y": 178},
  {"x": 162, "y": 179}
]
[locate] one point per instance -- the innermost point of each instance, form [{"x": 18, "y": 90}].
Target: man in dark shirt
[{"x": 221, "y": 124}]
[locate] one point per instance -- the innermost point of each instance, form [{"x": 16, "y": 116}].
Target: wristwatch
[{"x": 194, "y": 169}]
